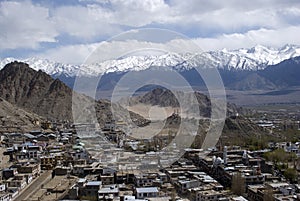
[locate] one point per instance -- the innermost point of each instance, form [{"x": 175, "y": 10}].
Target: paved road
[{"x": 34, "y": 186}]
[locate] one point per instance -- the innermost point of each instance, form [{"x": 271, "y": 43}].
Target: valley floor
[{"x": 257, "y": 97}]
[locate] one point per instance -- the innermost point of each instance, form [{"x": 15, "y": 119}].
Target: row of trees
[
  {"x": 280, "y": 156},
  {"x": 238, "y": 187},
  {"x": 281, "y": 160}
]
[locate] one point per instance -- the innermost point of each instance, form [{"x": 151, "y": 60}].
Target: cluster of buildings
[
  {"x": 16, "y": 178},
  {"x": 248, "y": 173},
  {"x": 62, "y": 161},
  {"x": 27, "y": 156}
]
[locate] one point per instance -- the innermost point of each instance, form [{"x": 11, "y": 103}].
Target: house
[
  {"x": 146, "y": 192},
  {"x": 64, "y": 140},
  {"x": 282, "y": 187},
  {"x": 33, "y": 169},
  {"x": 255, "y": 192},
  {"x": 42, "y": 138},
  {"x": 18, "y": 181},
  {"x": 109, "y": 170},
  {"x": 13, "y": 191},
  {"x": 206, "y": 195},
  {"x": 2, "y": 187},
  {"x": 33, "y": 151},
  {"x": 48, "y": 162},
  {"x": 52, "y": 136},
  {"x": 107, "y": 191},
  {"x": 107, "y": 179},
  {"x": 29, "y": 136},
  {"x": 5, "y": 196},
  {"x": 79, "y": 153},
  {"x": 61, "y": 170},
  {"x": 22, "y": 155},
  {"x": 78, "y": 169},
  {"x": 144, "y": 180},
  {"x": 184, "y": 185},
  {"x": 91, "y": 189},
  {"x": 14, "y": 138},
  {"x": 9, "y": 173},
  {"x": 163, "y": 177}
]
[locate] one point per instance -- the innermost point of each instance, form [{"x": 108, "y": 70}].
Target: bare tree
[
  {"x": 268, "y": 194},
  {"x": 238, "y": 184}
]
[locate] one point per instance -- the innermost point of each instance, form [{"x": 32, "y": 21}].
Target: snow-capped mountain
[
  {"x": 256, "y": 58},
  {"x": 50, "y": 67}
]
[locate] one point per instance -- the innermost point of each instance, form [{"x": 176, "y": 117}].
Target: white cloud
[
  {"x": 112, "y": 50},
  {"x": 71, "y": 54},
  {"x": 230, "y": 24},
  {"x": 96, "y": 52},
  {"x": 84, "y": 22},
  {"x": 234, "y": 16},
  {"x": 24, "y": 25},
  {"x": 140, "y": 13},
  {"x": 267, "y": 37},
  {"x": 219, "y": 16}
]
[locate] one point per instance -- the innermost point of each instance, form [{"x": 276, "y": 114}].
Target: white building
[{"x": 146, "y": 192}]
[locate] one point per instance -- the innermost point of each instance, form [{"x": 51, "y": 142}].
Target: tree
[
  {"x": 268, "y": 194},
  {"x": 238, "y": 184},
  {"x": 278, "y": 155},
  {"x": 290, "y": 174},
  {"x": 173, "y": 195}
]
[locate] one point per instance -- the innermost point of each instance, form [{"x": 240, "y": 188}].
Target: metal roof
[
  {"x": 147, "y": 190},
  {"x": 94, "y": 183}
]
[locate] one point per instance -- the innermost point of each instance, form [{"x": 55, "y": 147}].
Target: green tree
[
  {"x": 278, "y": 155},
  {"x": 290, "y": 174}
]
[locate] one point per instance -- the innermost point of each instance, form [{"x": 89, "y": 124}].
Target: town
[
  {"x": 59, "y": 163},
  {"x": 149, "y": 100}
]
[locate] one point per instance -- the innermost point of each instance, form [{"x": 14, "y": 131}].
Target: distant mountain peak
[
  {"x": 259, "y": 49},
  {"x": 255, "y": 58}
]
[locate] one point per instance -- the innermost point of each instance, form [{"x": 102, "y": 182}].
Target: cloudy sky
[{"x": 68, "y": 31}]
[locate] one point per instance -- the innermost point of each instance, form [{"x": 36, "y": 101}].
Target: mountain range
[
  {"x": 257, "y": 68},
  {"x": 255, "y": 58},
  {"x": 262, "y": 74}
]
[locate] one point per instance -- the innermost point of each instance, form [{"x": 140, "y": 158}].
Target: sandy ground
[
  {"x": 4, "y": 159},
  {"x": 149, "y": 131},
  {"x": 156, "y": 114},
  {"x": 153, "y": 113}
]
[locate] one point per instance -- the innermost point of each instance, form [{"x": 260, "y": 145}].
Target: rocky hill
[
  {"x": 237, "y": 128},
  {"x": 35, "y": 91},
  {"x": 38, "y": 92},
  {"x": 14, "y": 119},
  {"x": 166, "y": 98}
]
